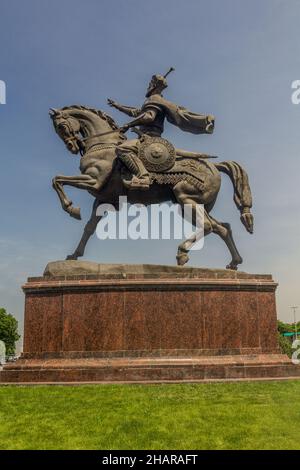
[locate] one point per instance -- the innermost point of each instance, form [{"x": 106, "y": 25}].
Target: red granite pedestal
[{"x": 149, "y": 324}]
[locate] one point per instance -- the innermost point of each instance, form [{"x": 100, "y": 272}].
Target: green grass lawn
[{"x": 244, "y": 415}]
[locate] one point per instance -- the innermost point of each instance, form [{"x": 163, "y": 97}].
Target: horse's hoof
[
  {"x": 75, "y": 213},
  {"x": 247, "y": 221},
  {"x": 232, "y": 267},
  {"x": 182, "y": 259}
]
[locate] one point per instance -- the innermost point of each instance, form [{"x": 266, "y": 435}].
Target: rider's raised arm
[
  {"x": 129, "y": 110},
  {"x": 145, "y": 117}
]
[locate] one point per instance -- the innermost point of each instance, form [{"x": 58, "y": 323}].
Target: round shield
[{"x": 157, "y": 154}]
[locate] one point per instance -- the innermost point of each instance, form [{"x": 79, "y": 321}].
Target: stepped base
[
  {"x": 150, "y": 370},
  {"x": 86, "y": 322}
]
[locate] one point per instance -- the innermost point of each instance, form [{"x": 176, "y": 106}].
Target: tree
[
  {"x": 285, "y": 327},
  {"x": 8, "y": 331}
]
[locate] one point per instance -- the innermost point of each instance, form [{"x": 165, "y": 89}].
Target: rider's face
[{"x": 151, "y": 88}]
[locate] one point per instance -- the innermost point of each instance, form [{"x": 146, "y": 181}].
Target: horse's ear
[{"x": 53, "y": 112}]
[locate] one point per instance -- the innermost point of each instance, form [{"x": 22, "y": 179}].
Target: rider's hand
[{"x": 112, "y": 103}]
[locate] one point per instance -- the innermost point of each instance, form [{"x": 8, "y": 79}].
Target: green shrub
[{"x": 285, "y": 345}]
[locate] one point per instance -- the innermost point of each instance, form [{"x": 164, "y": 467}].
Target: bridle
[
  {"x": 67, "y": 125},
  {"x": 73, "y": 138},
  {"x": 80, "y": 141}
]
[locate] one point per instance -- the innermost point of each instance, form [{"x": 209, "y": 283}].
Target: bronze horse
[{"x": 95, "y": 135}]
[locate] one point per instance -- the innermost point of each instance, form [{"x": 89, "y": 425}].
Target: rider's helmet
[{"x": 158, "y": 81}]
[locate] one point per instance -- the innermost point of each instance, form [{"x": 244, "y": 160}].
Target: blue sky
[{"x": 235, "y": 59}]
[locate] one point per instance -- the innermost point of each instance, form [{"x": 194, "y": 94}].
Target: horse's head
[
  {"x": 81, "y": 127},
  {"x": 67, "y": 127}
]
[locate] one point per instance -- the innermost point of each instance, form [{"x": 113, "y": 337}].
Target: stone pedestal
[{"x": 86, "y": 322}]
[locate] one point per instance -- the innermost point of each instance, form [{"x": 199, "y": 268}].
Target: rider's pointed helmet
[{"x": 159, "y": 81}]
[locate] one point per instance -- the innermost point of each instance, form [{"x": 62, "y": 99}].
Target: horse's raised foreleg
[
  {"x": 86, "y": 182},
  {"x": 89, "y": 230}
]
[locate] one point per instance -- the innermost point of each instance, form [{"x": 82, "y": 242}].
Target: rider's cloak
[{"x": 181, "y": 117}]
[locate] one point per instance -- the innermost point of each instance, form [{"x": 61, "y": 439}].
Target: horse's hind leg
[
  {"x": 223, "y": 229},
  {"x": 89, "y": 230},
  {"x": 197, "y": 215},
  {"x": 187, "y": 194},
  {"x": 210, "y": 226}
]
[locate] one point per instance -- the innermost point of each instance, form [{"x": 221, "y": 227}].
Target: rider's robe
[{"x": 181, "y": 117}]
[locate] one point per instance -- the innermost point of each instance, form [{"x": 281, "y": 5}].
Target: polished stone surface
[
  {"x": 149, "y": 323},
  {"x": 147, "y": 370},
  {"x": 199, "y": 311}
]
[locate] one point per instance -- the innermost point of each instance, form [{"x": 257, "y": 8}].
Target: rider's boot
[{"x": 141, "y": 178}]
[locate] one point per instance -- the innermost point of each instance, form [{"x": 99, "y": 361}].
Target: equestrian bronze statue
[{"x": 148, "y": 169}]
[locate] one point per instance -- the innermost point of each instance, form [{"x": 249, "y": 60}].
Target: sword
[{"x": 180, "y": 153}]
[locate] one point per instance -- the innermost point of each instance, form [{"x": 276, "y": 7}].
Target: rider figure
[{"x": 150, "y": 119}]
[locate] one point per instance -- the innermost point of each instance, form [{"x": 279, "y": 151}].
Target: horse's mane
[{"x": 99, "y": 113}]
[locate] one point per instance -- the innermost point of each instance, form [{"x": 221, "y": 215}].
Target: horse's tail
[{"x": 242, "y": 192}]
